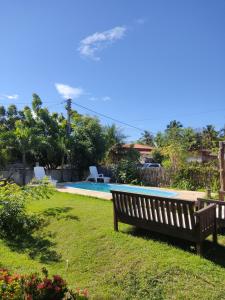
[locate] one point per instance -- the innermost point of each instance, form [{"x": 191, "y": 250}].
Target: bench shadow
[
  {"x": 60, "y": 213},
  {"x": 211, "y": 251}
]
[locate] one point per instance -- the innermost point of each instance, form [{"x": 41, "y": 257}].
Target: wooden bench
[
  {"x": 220, "y": 210},
  {"x": 174, "y": 217}
]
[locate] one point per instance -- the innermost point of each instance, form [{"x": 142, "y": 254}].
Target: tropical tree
[
  {"x": 209, "y": 137},
  {"x": 87, "y": 142},
  {"x": 174, "y": 124},
  {"x": 114, "y": 141},
  {"x": 147, "y": 138},
  {"x": 24, "y": 141}
]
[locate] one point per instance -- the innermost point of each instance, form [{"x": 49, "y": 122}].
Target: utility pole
[
  {"x": 222, "y": 170},
  {"x": 68, "y": 108}
]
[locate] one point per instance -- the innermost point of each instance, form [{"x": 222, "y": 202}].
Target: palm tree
[
  {"x": 24, "y": 142},
  {"x": 209, "y": 136},
  {"x": 174, "y": 124},
  {"x": 147, "y": 138}
]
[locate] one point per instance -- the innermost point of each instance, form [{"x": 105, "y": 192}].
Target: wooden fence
[
  {"x": 149, "y": 176},
  {"x": 155, "y": 176}
]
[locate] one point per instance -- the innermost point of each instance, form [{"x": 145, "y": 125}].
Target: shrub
[
  {"x": 10, "y": 286},
  {"x": 193, "y": 176},
  {"x": 126, "y": 172},
  {"x": 36, "y": 287},
  {"x": 157, "y": 156},
  {"x": 14, "y": 219}
]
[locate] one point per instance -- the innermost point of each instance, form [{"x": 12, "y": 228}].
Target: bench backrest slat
[
  {"x": 174, "y": 213},
  {"x": 185, "y": 209},
  {"x": 157, "y": 210},
  {"x": 180, "y": 212},
  {"x": 162, "y": 209},
  {"x": 169, "y": 221}
]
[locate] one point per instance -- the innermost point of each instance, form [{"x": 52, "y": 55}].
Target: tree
[
  {"x": 87, "y": 142},
  {"x": 222, "y": 132},
  {"x": 36, "y": 103},
  {"x": 209, "y": 137},
  {"x": 114, "y": 141},
  {"x": 174, "y": 124},
  {"x": 157, "y": 156},
  {"x": 147, "y": 138},
  {"x": 24, "y": 142},
  {"x": 190, "y": 139},
  {"x": 113, "y": 135},
  {"x": 2, "y": 115}
]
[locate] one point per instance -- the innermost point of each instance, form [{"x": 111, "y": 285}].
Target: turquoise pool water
[{"x": 106, "y": 187}]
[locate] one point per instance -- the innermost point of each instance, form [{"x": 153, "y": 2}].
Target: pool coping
[{"x": 181, "y": 194}]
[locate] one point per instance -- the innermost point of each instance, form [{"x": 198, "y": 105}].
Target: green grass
[{"x": 130, "y": 264}]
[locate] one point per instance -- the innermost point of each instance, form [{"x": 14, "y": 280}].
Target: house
[
  {"x": 201, "y": 156},
  {"x": 144, "y": 150}
]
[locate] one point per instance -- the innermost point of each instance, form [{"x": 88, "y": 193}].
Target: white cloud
[
  {"x": 67, "y": 91},
  {"x": 10, "y": 97},
  {"x": 106, "y": 98},
  {"x": 92, "y": 44}
]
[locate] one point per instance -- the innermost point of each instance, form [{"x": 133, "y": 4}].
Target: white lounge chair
[
  {"x": 95, "y": 175},
  {"x": 39, "y": 174}
]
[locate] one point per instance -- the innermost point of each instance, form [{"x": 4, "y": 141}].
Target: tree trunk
[
  {"x": 62, "y": 168},
  {"x": 24, "y": 167},
  {"x": 222, "y": 170}
]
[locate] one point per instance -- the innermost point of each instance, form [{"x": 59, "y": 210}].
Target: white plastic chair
[
  {"x": 95, "y": 175},
  {"x": 39, "y": 174}
]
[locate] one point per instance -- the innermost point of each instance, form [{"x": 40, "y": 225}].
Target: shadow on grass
[
  {"x": 211, "y": 251},
  {"x": 39, "y": 245},
  {"x": 60, "y": 213}
]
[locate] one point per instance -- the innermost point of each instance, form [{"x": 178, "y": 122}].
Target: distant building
[
  {"x": 201, "y": 156},
  {"x": 144, "y": 150}
]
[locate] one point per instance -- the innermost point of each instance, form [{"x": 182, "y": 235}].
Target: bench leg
[
  {"x": 215, "y": 237},
  {"x": 199, "y": 248},
  {"x": 115, "y": 223}
]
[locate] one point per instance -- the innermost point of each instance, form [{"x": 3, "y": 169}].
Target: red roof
[{"x": 138, "y": 147}]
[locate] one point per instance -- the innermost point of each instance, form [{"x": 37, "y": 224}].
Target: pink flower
[{"x": 40, "y": 286}]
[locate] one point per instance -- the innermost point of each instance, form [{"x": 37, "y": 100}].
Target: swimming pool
[{"x": 106, "y": 187}]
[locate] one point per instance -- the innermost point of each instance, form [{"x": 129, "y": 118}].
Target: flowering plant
[
  {"x": 10, "y": 286},
  {"x": 35, "y": 287}
]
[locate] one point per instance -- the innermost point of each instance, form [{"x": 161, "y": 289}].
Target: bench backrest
[
  {"x": 167, "y": 211},
  {"x": 220, "y": 209}
]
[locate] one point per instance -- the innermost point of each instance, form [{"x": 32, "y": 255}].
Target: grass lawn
[{"x": 130, "y": 264}]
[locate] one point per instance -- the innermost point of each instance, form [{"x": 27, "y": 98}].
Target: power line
[{"x": 108, "y": 117}]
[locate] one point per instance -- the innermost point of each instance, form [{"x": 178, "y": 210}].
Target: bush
[
  {"x": 36, "y": 287},
  {"x": 14, "y": 219},
  {"x": 193, "y": 176},
  {"x": 157, "y": 156},
  {"x": 126, "y": 172}
]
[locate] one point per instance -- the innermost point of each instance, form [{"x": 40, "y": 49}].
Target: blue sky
[{"x": 143, "y": 62}]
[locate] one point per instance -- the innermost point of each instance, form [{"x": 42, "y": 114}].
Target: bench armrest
[{"x": 206, "y": 219}]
